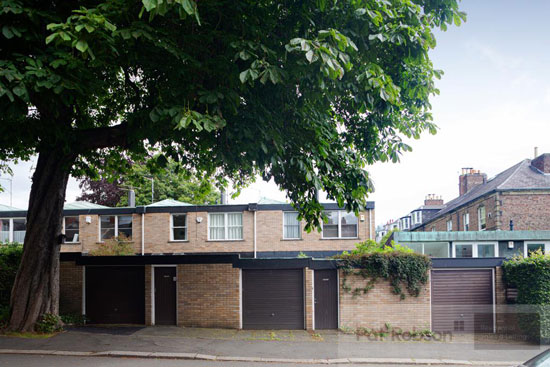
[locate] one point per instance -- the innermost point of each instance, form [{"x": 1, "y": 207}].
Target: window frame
[
  {"x": 225, "y": 227},
  {"x": 64, "y": 229},
  {"x": 466, "y": 223},
  {"x": 339, "y": 237},
  {"x": 479, "y": 216},
  {"x": 546, "y": 245},
  {"x": 299, "y": 227},
  {"x": 11, "y": 229},
  {"x": 450, "y": 225},
  {"x": 475, "y": 252},
  {"x": 172, "y": 239},
  {"x": 116, "y": 226}
]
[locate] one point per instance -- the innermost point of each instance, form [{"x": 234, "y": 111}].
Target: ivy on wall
[{"x": 406, "y": 271}]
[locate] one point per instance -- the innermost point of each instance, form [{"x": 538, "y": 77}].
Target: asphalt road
[{"x": 62, "y": 361}]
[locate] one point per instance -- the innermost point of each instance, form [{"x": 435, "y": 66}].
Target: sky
[{"x": 491, "y": 111}]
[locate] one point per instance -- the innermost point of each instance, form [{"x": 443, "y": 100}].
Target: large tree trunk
[{"x": 36, "y": 288}]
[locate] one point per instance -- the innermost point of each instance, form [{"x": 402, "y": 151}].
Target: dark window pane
[
  {"x": 485, "y": 251},
  {"x": 330, "y": 230},
  {"x": 349, "y": 230},
  {"x": 71, "y": 235},
  {"x": 126, "y": 232},
  {"x": 71, "y": 223},
  {"x": 180, "y": 234},
  {"x": 19, "y": 224},
  {"x": 107, "y": 233},
  {"x": 179, "y": 220},
  {"x": 504, "y": 249},
  {"x": 332, "y": 218},
  {"x": 124, "y": 221},
  {"x": 464, "y": 251},
  {"x": 107, "y": 221}
]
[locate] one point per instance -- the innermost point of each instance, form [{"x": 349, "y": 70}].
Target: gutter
[{"x": 143, "y": 231}]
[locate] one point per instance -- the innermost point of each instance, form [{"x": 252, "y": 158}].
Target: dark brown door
[
  {"x": 326, "y": 299},
  {"x": 273, "y": 299},
  {"x": 165, "y": 296},
  {"x": 115, "y": 294},
  {"x": 462, "y": 300}
]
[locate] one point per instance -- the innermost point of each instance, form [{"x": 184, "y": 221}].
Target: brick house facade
[{"x": 515, "y": 199}]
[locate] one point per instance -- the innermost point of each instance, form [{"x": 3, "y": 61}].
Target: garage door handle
[
  {"x": 272, "y": 315},
  {"x": 461, "y": 315}
]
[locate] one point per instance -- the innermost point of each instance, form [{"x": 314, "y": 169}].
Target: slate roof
[
  {"x": 77, "y": 205},
  {"x": 521, "y": 176}
]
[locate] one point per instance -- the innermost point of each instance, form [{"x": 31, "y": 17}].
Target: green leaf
[
  {"x": 51, "y": 37},
  {"x": 7, "y": 32},
  {"x": 82, "y": 46},
  {"x": 309, "y": 56}
]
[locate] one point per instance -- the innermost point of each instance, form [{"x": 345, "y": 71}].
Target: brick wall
[
  {"x": 528, "y": 209},
  {"x": 70, "y": 288},
  {"x": 308, "y": 298},
  {"x": 269, "y": 235},
  {"x": 380, "y": 306},
  {"x": 208, "y": 295},
  {"x": 491, "y": 211},
  {"x": 148, "y": 298}
]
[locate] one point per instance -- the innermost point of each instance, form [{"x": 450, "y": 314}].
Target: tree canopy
[
  {"x": 305, "y": 92},
  {"x": 168, "y": 183}
]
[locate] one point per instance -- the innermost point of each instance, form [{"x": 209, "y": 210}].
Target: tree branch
[{"x": 101, "y": 137}]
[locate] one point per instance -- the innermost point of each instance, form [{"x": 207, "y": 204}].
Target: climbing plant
[{"x": 403, "y": 268}]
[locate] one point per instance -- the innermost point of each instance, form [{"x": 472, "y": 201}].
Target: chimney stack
[
  {"x": 469, "y": 179},
  {"x": 432, "y": 200},
  {"x": 542, "y": 163},
  {"x": 223, "y": 197},
  {"x": 131, "y": 198},
  {"x": 536, "y": 152}
]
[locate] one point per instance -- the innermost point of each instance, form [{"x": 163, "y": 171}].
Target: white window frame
[
  {"x": 116, "y": 225},
  {"x": 299, "y": 228},
  {"x": 78, "y": 218},
  {"x": 465, "y": 222},
  {"x": 339, "y": 237},
  {"x": 11, "y": 229},
  {"x": 172, "y": 228},
  {"x": 450, "y": 225},
  {"x": 474, "y": 248},
  {"x": 545, "y": 243},
  {"x": 226, "y": 227},
  {"x": 479, "y": 218}
]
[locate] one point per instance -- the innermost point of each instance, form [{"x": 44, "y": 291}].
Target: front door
[
  {"x": 165, "y": 295},
  {"x": 326, "y": 299}
]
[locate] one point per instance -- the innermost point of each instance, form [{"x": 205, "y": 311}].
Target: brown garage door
[
  {"x": 115, "y": 294},
  {"x": 273, "y": 299},
  {"x": 462, "y": 300}
]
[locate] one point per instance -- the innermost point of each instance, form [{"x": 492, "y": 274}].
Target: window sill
[
  {"x": 178, "y": 241},
  {"x": 241, "y": 240},
  {"x": 292, "y": 239},
  {"x": 102, "y": 242},
  {"x": 340, "y": 238},
  {"x": 71, "y": 243}
]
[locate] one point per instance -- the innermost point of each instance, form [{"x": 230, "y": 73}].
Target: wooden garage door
[
  {"x": 462, "y": 300},
  {"x": 273, "y": 299},
  {"x": 115, "y": 295}
]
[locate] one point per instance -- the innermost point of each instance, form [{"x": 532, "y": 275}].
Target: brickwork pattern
[
  {"x": 308, "y": 298},
  {"x": 528, "y": 209},
  {"x": 70, "y": 288},
  {"x": 208, "y": 295},
  {"x": 269, "y": 235},
  {"x": 380, "y": 306}
]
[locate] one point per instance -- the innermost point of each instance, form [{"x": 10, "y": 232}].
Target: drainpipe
[
  {"x": 254, "y": 234},
  {"x": 370, "y": 225}
]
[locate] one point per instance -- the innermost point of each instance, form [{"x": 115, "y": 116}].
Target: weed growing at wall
[
  {"x": 403, "y": 268},
  {"x": 531, "y": 277},
  {"x": 117, "y": 246}
]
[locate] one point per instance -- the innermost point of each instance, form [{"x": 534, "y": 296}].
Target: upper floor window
[
  {"x": 114, "y": 226},
  {"x": 481, "y": 218},
  {"x": 225, "y": 226},
  {"x": 449, "y": 225},
  {"x": 466, "y": 221},
  {"x": 178, "y": 227},
  {"x": 71, "y": 228},
  {"x": 291, "y": 226},
  {"x": 340, "y": 225},
  {"x": 13, "y": 229}
]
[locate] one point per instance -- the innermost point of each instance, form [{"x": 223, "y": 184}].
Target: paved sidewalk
[{"x": 221, "y": 344}]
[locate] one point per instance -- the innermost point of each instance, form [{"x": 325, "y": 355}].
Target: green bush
[
  {"x": 73, "y": 319},
  {"x": 48, "y": 323},
  {"x": 398, "y": 264},
  {"x": 10, "y": 257},
  {"x": 531, "y": 277}
]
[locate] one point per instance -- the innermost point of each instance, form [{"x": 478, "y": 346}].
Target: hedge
[
  {"x": 531, "y": 277},
  {"x": 10, "y": 257}
]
